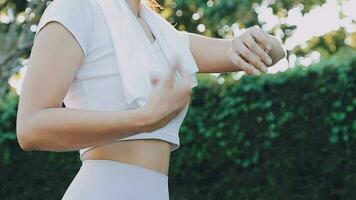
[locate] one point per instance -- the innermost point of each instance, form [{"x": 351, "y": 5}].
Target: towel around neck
[{"x": 135, "y": 55}]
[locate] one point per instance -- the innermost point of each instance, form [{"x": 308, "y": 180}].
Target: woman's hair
[{"x": 154, "y": 5}]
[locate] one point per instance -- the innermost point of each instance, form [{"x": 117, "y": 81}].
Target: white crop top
[{"x": 97, "y": 85}]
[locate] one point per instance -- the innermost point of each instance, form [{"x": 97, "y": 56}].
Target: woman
[{"x": 125, "y": 152}]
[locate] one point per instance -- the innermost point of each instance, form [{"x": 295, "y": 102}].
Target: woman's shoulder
[
  {"x": 75, "y": 15},
  {"x": 72, "y": 9}
]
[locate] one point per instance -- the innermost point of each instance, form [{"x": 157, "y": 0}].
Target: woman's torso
[
  {"x": 150, "y": 153},
  {"x": 97, "y": 86}
]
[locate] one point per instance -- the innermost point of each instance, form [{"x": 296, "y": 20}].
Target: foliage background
[{"x": 286, "y": 135}]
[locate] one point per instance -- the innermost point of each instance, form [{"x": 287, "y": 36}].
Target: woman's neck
[{"x": 135, "y": 6}]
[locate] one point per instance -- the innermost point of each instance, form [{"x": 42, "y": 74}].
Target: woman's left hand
[{"x": 249, "y": 51}]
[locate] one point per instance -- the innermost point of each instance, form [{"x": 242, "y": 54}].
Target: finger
[
  {"x": 257, "y": 62},
  {"x": 249, "y": 56},
  {"x": 169, "y": 77},
  {"x": 262, "y": 46},
  {"x": 185, "y": 75},
  {"x": 174, "y": 68},
  {"x": 260, "y": 37},
  {"x": 251, "y": 44},
  {"x": 185, "y": 84},
  {"x": 241, "y": 63}
]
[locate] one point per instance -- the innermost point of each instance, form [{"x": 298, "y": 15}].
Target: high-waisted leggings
[{"x": 109, "y": 180}]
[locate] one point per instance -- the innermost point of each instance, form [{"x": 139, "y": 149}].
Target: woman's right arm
[{"x": 42, "y": 123}]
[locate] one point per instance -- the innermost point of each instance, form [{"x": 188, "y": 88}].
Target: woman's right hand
[{"x": 168, "y": 97}]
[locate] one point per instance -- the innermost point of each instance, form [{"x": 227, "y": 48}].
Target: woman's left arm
[{"x": 249, "y": 52}]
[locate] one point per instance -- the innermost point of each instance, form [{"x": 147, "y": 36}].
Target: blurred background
[{"x": 288, "y": 134}]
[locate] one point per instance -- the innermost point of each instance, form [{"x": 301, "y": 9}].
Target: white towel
[{"x": 134, "y": 53}]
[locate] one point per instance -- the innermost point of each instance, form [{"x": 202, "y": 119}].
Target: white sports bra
[{"x": 96, "y": 85}]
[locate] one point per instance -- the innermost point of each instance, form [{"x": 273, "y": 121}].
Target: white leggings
[{"x": 109, "y": 180}]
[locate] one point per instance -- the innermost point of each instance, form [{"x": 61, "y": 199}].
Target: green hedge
[{"x": 290, "y": 135}]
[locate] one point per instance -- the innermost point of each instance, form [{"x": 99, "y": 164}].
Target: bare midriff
[{"x": 149, "y": 153}]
